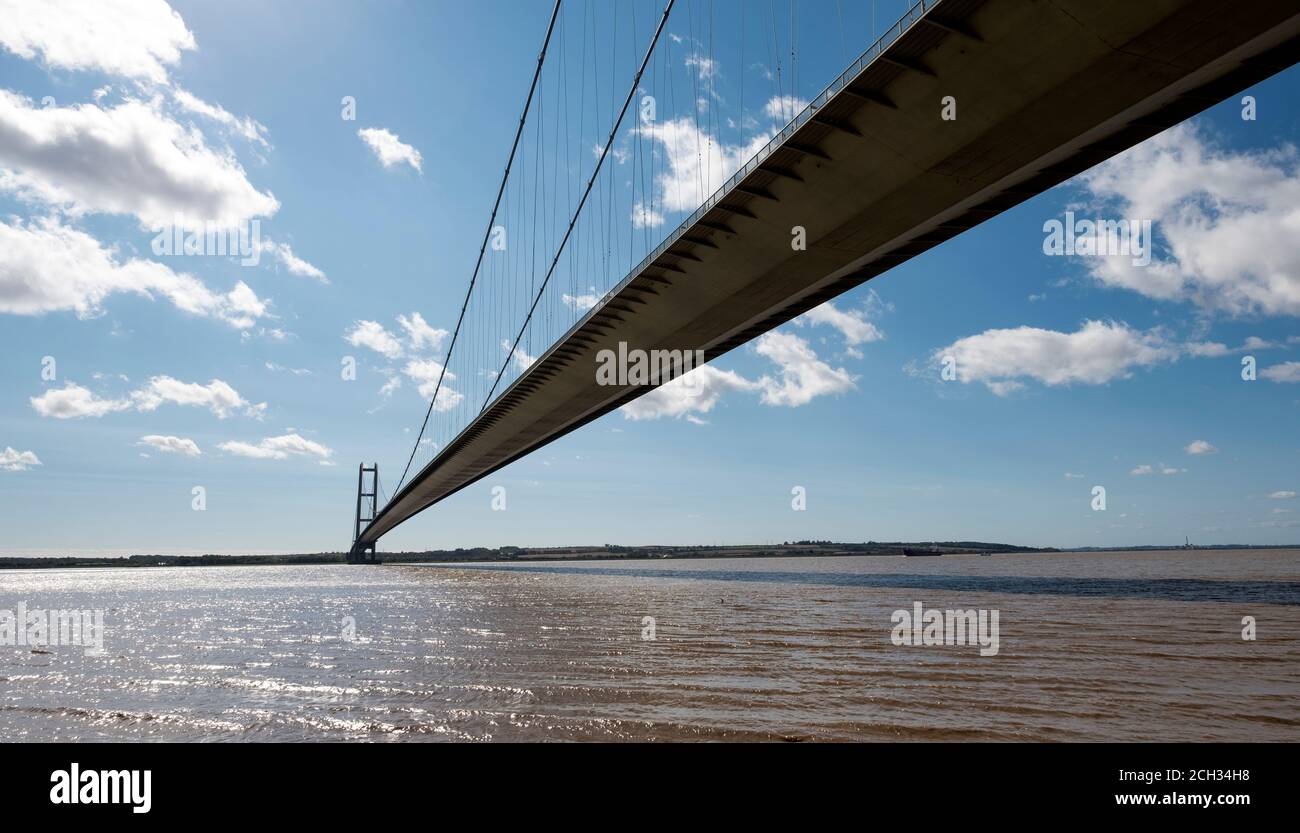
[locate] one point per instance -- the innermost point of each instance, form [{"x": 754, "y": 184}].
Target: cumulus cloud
[
  {"x": 13, "y": 460},
  {"x": 389, "y": 149},
  {"x": 785, "y": 107},
  {"x": 1285, "y": 372},
  {"x": 372, "y": 335},
  {"x": 133, "y": 38},
  {"x": 581, "y": 303},
  {"x": 171, "y": 445},
  {"x": 419, "y": 334},
  {"x": 129, "y": 159},
  {"x": 696, "y": 162},
  {"x": 1200, "y": 447},
  {"x": 1228, "y": 220},
  {"x": 278, "y": 448},
  {"x": 522, "y": 360},
  {"x": 852, "y": 324},
  {"x": 217, "y": 396},
  {"x": 696, "y": 392},
  {"x": 1095, "y": 354},
  {"x": 73, "y": 401},
  {"x": 803, "y": 376},
  {"x": 425, "y": 373},
  {"x": 644, "y": 216},
  {"x": 1143, "y": 470},
  {"x": 46, "y": 266},
  {"x": 1282, "y": 495}
]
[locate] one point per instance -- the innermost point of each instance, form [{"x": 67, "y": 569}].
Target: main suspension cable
[
  {"x": 537, "y": 74},
  {"x": 631, "y": 93}
]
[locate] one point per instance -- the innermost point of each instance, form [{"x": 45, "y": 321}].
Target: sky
[{"x": 159, "y": 401}]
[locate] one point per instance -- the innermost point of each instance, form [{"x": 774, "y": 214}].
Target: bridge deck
[{"x": 1043, "y": 90}]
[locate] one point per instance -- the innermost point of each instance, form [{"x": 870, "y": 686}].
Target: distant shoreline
[{"x": 809, "y": 549}]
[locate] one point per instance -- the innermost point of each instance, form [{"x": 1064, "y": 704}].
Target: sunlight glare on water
[{"x": 1113, "y": 646}]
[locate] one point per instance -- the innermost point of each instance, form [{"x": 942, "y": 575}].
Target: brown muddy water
[{"x": 1113, "y": 646}]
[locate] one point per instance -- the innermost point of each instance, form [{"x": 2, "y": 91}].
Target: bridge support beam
[{"x": 367, "y": 508}]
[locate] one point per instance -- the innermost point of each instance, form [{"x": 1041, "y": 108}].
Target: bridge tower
[{"x": 367, "y": 508}]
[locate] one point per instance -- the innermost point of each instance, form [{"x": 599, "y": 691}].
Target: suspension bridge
[{"x": 955, "y": 113}]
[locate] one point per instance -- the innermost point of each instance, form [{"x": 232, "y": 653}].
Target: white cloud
[
  {"x": 852, "y": 324},
  {"x": 129, "y": 159},
  {"x": 73, "y": 401},
  {"x": 1215, "y": 349},
  {"x": 1073, "y": 476},
  {"x": 704, "y": 66},
  {"x": 582, "y": 303},
  {"x": 1207, "y": 349},
  {"x": 419, "y": 334},
  {"x": 1095, "y": 354},
  {"x": 372, "y": 334},
  {"x": 644, "y": 216},
  {"x": 278, "y": 448},
  {"x": 522, "y": 360},
  {"x": 785, "y": 107},
  {"x": 296, "y": 265},
  {"x": 13, "y": 460},
  {"x": 134, "y": 38},
  {"x": 48, "y": 267},
  {"x": 296, "y": 371},
  {"x": 1283, "y": 495},
  {"x": 695, "y": 392},
  {"x": 696, "y": 163},
  {"x": 217, "y": 396},
  {"x": 803, "y": 376},
  {"x": 1285, "y": 372},
  {"x": 1200, "y": 447},
  {"x": 171, "y": 445},
  {"x": 390, "y": 150},
  {"x": 1143, "y": 469},
  {"x": 1229, "y": 221},
  {"x": 425, "y": 373},
  {"x": 249, "y": 128}
]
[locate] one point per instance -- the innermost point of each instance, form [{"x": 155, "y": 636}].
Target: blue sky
[{"x": 175, "y": 372}]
